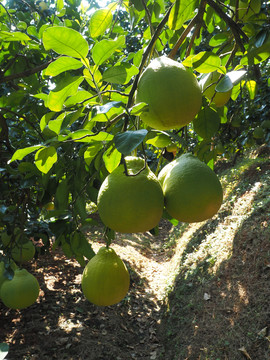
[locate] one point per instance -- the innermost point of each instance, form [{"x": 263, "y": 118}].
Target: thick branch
[
  {"x": 25, "y": 73},
  {"x": 184, "y": 34},
  {"x": 146, "y": 53},
  {"x": 236, "y": 30}
]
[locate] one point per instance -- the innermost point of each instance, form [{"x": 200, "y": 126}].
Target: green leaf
[
  {"x": 91, "y": 152},
  {"x": 128, "y": 141},
  {"x": 111, "y": 158},
  {"x": 181, "y": 12},
  {"x": 45, "y": 158},
  {"x": 121, "y": 73},
  {"x": 139, "y": 108},
  {"x": 55, "y": 125},
  {"x": 80, "y": 206},
  {"x": 13, "y": 36},
  {"x": 21, "y": 153},
  {"x": 218, "y": 39},
  {"x": 62, "y": 64},
  {"x": 160, "y": 141},
  {"x": 204, "y": 62},
  {"x": 206, "y": 123},
  {"x": 45, "y": 120},
  {"x": 224, "y": 85},
  {"x": 67, "y": 88},
  {"x": 3, "y": 350},
  {"x": 251, "y": 85},
  {"x": 100, "y": 21},
  {"x": 59, "y": 5},
  {"x": 65, "y": 41},
  {"x": 103, "y": 49},
  {"x": 62, "y": 195},
  {"x": 88, "y": 136}
]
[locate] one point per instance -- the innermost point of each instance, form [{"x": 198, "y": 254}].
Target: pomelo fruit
[
  {"x": 105, "y": 279},
  {"x": 192, "y": 191},
  {"x": 20, "y": 292},
  {"x": 172, "y": 93},
  {"x": 218, "y": 98},
  {"x": 258, "y": 133},
  {"x": 131, "y": 204},
  {"x": 23, "y": 252}
]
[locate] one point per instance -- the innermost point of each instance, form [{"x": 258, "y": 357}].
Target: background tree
[{"x": 69, "y": 72}]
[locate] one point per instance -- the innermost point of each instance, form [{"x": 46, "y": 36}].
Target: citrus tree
[{"x": 75, "y": 100}]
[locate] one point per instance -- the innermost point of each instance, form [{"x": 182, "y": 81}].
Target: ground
[{"x": 198, "y": 291}]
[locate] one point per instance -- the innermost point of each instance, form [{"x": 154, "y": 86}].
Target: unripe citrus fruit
[
  {"x": 105, "y": 279},
  {"x": 172, "y": 93},
  {"x": 266, "y": 124},
  {"x": 258, "y": 133},
  {"x": 131, "y": 204},
  {"x": 23, "y": 252},
  {"x": 20, "y": 292},
  {"x": 191, "y": 189},
  {"x": 218, "y": 98},
  {"x": 172, "y": 148}
]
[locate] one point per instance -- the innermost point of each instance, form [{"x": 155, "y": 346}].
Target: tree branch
[
  {"x": 236, "y": 30},
  {"x": 25, "y": 73},
  {"x": 146, "y": 53}
]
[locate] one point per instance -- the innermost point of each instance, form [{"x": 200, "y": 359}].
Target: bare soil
[{"x": 198, "y": 291}]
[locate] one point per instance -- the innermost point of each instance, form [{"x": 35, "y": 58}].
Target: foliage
[{"x": 69, "y": 73}]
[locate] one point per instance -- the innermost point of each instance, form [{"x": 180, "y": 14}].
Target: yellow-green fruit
[
  {"x": 192, "y": 191},
  {"x": 219, "y": 149},
  {"x": 218, "y": 98},
  {"x": 172, "y": 93},
  {"x": 20, "y": 292},
  {"x": 164, "y": 171},
  {"x": 248, "y": 8},
  {"x": 131, "y": 204},
  {"x": 23, "y": 252},
  {"x": 172, "y": 148},
  {"x": 105, "y": 279},
  {"x": 258, "y": 133},
  {"x": 266, "y": 124}
]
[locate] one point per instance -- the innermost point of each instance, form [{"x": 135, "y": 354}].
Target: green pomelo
[
  {"x": 192, "y": 191},
  {"x": 218, "y": 98},
  {"x": 258, "y": 133},
  {"x": 131, "y": 204},
  {"x": 23, "y": 252},
  {"x": 105, "y": 279},
  {"x": 20, "y": 292},
  {"x": 172, "y": 93}
]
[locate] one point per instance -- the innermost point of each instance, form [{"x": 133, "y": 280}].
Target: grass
[{"x": 217, "y": 303}]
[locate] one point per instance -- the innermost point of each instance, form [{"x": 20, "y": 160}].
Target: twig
[
  {"x": 25, "y": 73},
  {"x": 236, "y": 30},
  {"x": 184, "y": 34},
  {"x": 146, "y": 53}
]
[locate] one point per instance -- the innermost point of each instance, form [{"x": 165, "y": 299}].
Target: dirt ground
[{"x": 198, "y": 291}]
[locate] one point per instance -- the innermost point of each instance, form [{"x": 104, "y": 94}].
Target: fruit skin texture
[
  {"x": 192, "y": 191},
  {"x": 220, "y": 98},
  {"x": 20, "y": 292},
  {"x": 131, "y": 204},
  {"x": 105, "y": 279},
  {"x": 172, "y": 93},
  {"x": 22, "y": 253}
]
